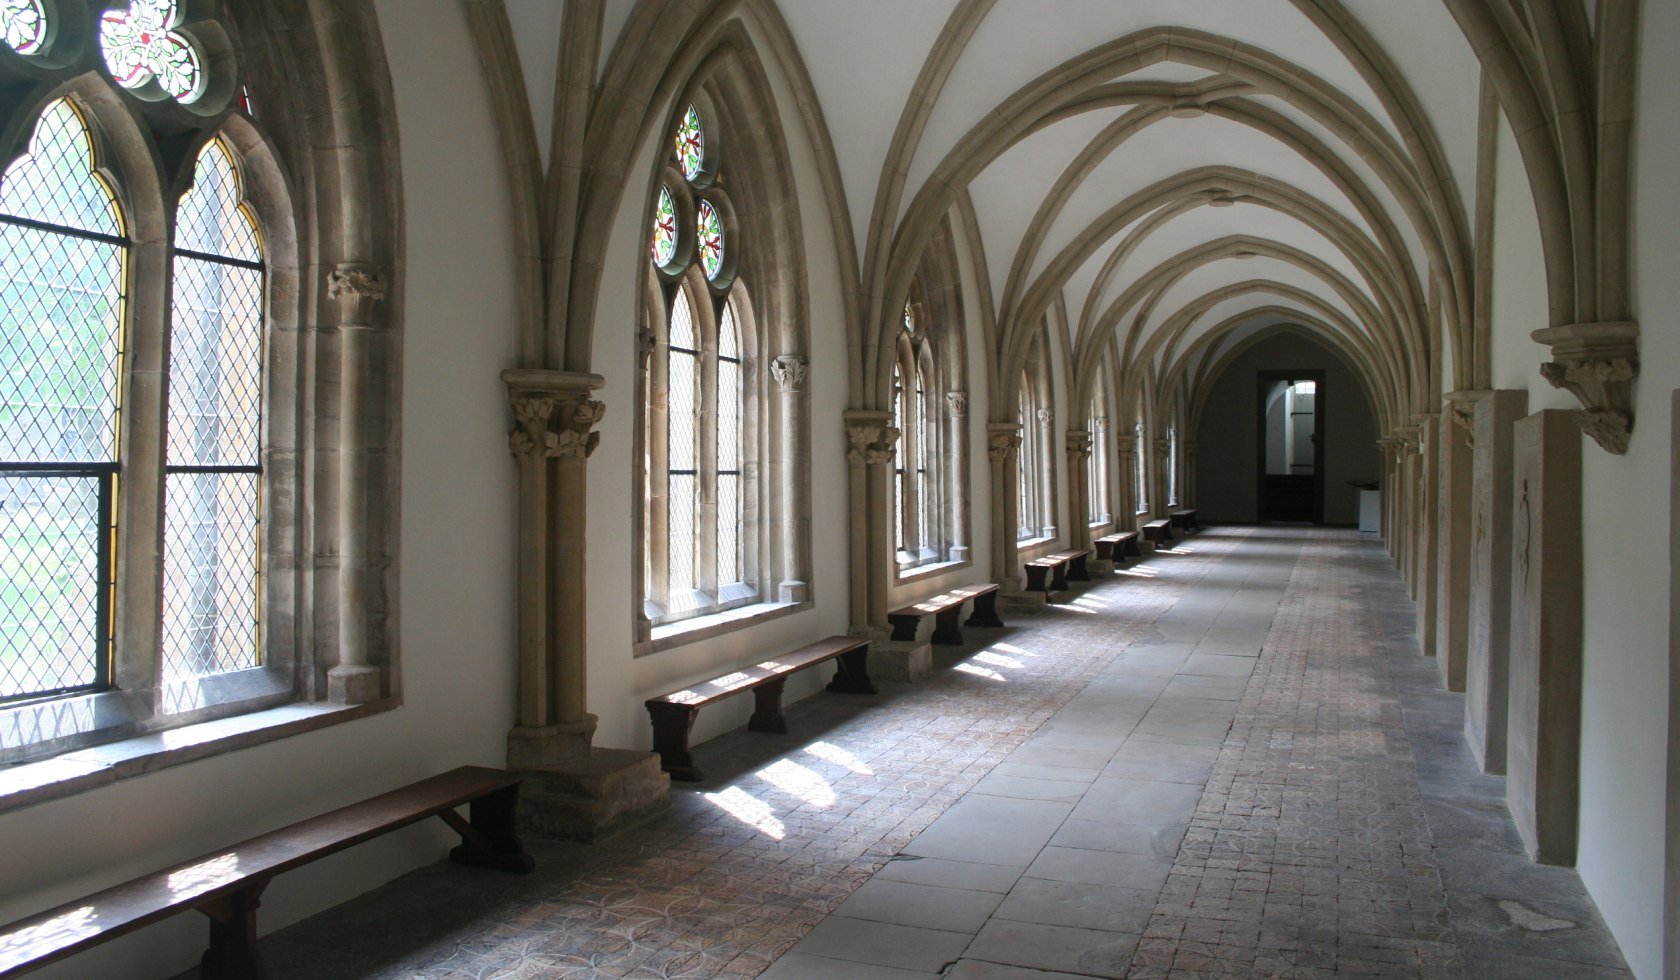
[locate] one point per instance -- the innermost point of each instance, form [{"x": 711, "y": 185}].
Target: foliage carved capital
[
  {"x": 1597, "y": 363},
  {"x": 358, "y": 289},
  {"x": 789, "y": 370}
]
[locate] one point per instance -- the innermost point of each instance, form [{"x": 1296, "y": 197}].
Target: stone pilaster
[
  {"x": 870, "y": 454},
  {"x": 574, "y": 789},
  {"x": 1487, "y": 663},
  {"x": 1455, "y": 445},
  {"x": 789, "y": 372},
  {"x": 358, "y": 290},
  {"x": 1428, "y": 490},
  {"x": 1003, "y": 452},
  {"x": 956, "y": 414},
  {"x": 1079, "y": 503},
  {"x": 1125, "y": 502}
]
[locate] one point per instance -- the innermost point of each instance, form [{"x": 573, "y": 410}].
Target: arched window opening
[
  {"x": 917, "y": 493},
  {"x": 1140, "y": 469},
  {"x": 1172, "y": 467},
  {"x": 1097, "y": 470},
  {"x": 698, "y": 559}
]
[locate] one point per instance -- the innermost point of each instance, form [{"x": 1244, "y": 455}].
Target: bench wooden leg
[
  {"x": 1060, "y": 582},
  {"x": 904, "y": 627},
  {"x": 985, "y": 611},
  {"x": 488, "y": 838},
  {"x": 233, "y": 936},
  {"x": 851, "y": 674},
  {"x": 1132, "y": 550},
  {"x": 1077, "y": 570},
  {"x": 1035, "y": 579},
  {"x": 947, "y": 627},
  {"x": 671, "y": 725},
  {"x": 767, "y": 708},
  {"x": 1105, "y": 551}
]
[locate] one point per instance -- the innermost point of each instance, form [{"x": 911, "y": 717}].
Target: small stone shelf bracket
[{"x": 1597, "y": 363}]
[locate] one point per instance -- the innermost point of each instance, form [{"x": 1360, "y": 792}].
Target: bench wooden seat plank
[
  {"x": 1185, "y": 520},
  {"x": 947, "y": 610},
  {"x": 226, "y": 884},
  {"x": 1052, "y": 572},
  {"x": 673, "y": 714},
  {"x": 1158, "y": 532},
  {"x": 1113, "y": 547}
]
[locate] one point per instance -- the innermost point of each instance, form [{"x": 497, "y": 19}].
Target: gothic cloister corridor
[{"x": 1228, "y": 759}]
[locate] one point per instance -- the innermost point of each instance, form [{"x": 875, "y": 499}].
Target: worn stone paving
[
  {"x": 1229, "y": 761},
  {"x": 789, "y": 827}
]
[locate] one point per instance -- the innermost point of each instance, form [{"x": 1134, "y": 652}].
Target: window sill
[
  {"x": 705, "y": 627},
  {"x": 917, "y": 573},
  {"x": 74, "y": 772}
]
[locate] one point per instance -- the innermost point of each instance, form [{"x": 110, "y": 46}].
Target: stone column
[
  {"x": 869, "y": 457},
  {"x": 1125, "y": 502},
  {"x": 551, "y": 442},
  {"x": 956, "y": 415},
  {"x": 1158, "y": 506},
  {"x": 1187, "y": 492},
  {"x": 573, "y": 789},
  {"x": 1543, "y": 734},
  {"x": 1047, "y": 486},
  {"x": 1003, "y": 451},
  {"x": 789, "y": 372},
  {"x": 1453, "y": 530},
  {"x": 1428, "y": 506},
  {"x": 358, "y": 290},
  {"x": 1079, "y": 492},
  {"x": 1487, "y": 665}
]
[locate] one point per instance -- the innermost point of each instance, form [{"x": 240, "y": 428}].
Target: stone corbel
[
  {"x": 1408, "y": 440},
  {"x": 1461, "y": 409},
  {"x": 1003, "y": 443},
  {"x": 789, "y": 370},
  {"x": 860, "y": 437},
  {"x": 1079, "y": 444},
  {"x": 956, "y": 404},
  {"x": 885, "y": 450},
  {"x": 1597, "y": 363},
  {"x": 1163, "y": 447}
]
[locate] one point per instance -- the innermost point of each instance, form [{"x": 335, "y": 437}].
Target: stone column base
[
  {"x": 593, "y": 797},
  {"x": 1099, "y": 568},
  {"x": 893, "y": 660},
  {"x": 1021, "y": 602},
  {"x": 353, "y": 684}
]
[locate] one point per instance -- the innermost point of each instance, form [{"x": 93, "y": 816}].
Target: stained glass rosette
[
  {"x": 664, "y": 230},
  {"x": 24, "y": 23},
  {"x": 710, "y": 228},
  {"x": 691, "y": 144},
  {"x": 140, "y": 44}
]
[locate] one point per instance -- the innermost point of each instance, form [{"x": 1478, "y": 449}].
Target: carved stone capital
[
  {"x": 885, "y": 450},
  {"x": 1078, "y": 444},
  {"x": 646, "y": 343},
  {"x": 1597, "y": 363},
  {"x": 553, "y": 414},
  {"x": 358, "y": 289},
  {"x": 1408, "y": 440},
  {"x": 864, "y": 432},
  {"x": 789, "y": 371},
  {"x": 1126, "y": 444},
  {"x": 1099, "y": 425},
  {"x": 1003, "y": 441},
  {"x": 1045, "y": 417},
  {"x": 1163, "y": 447},
  {"x": 1461, "y": 409},
  {"x": 956, "y": 404}
]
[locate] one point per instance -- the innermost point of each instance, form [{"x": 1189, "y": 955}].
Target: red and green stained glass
[
  {"x": 141, "y": 44},
  {"x": 664, "y": 230},
  {"x": 24, "y": 23},
  {"x": 711, "y": 240},
  {"x": 691, "y": 144}
]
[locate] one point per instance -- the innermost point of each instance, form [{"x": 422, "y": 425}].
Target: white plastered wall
[
  {"x": 456, "y": 578},
  {"x": 1626, "y": 562}
]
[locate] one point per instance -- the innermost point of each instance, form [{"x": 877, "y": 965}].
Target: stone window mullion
[{"x": 706, "y": 577}]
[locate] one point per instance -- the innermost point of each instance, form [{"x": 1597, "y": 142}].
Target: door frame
[{"x": 1263, "y": 380}]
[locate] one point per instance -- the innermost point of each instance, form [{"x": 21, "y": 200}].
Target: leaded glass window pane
[
  {"x": 664, "y": 229},
  {"x": 212, "y": 487},
  {"x": 140, "y": 44},
  {"x": 711, "y": 240},
  {"x": 729, "y": 441},
  {"x": 924, "y": 442},
  {"x": 683, "y": 446},
  {"x": 691, "y": 144},
  {"x": 51, "y": 633},
  {"x": 898, "y": 471},
  {"x": 24, "y": 23},
  {"x": 60, "y": 366}
]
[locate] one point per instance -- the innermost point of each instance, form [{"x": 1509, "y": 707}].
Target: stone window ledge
[
  {"x": 918, "y": 572},
  {"x": 74, "y": 772},
  {"x": 705, "y": 627}
]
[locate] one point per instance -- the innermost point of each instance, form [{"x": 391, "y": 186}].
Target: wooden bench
[
  {"x": 227, "y": 884},
  {"x": 947, "y": 610},
  {"x": 1114, "y": 547},
  {"x": 1185, "y": 520},
  {"x": 1159, "y": 533},
  {"x": 673, "y": 714},
  {"x": 1052, "y": 572}
]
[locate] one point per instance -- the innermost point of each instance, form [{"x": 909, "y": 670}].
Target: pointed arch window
[
  {"x": 1097, "y": 469},
  {"x": 919, "y": 485},
  {"x": 697, "y": 544},
  {"x": 1140, "y": 470}
]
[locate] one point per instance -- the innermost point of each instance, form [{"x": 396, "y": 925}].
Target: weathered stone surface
[
  {"x": 898, "y": 661},
  {"x": 1455, "y": 449},
  {"x": 1543, "y": 732},
  {"x": 595, "y": 797},
  {"x": 1490, "y": 577}
]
